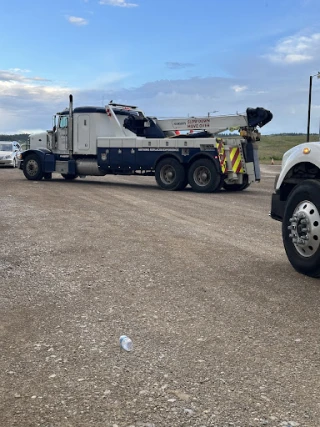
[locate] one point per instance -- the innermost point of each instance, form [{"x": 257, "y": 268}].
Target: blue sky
[{"x": 169, "y": 57}]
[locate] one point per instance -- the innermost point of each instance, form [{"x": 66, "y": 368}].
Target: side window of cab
[{"x": 63, "y": 123}]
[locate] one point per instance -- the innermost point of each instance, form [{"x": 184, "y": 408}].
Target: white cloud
[
  {"x": 118, "y": 3},
  {"x": 298, "y": 58},
  {"x": 296, "y": 49},
  {"x": 75, "y": 20},
  {"x": 16, "y": 89},
  {"x": 238, "y": 88},
  {"x": 29, "y": 103},
  {"x": 14, "y": 75},
  {"x": 18, "y": 70}
]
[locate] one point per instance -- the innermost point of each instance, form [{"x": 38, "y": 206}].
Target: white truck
[
  {"x": 120, "y": 139},
  {"x": 296, "y": 203}
]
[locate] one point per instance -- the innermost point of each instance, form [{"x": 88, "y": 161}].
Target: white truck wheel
[{"x": 301, "y": 228}]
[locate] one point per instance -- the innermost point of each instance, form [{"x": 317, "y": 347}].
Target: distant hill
[{"x": 20, "y": 137}]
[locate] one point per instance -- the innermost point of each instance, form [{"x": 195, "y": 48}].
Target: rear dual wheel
[
  {"x": 204, "y": 177},
  {"x": 171, "y": 175}
]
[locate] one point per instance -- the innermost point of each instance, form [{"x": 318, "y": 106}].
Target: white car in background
[{"x": 8, "y": 153}]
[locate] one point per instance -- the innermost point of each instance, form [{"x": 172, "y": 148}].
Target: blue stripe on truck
[{"x": 145, "y": 158}]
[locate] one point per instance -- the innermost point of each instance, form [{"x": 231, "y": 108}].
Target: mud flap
[{"x": 256, "y": 162}]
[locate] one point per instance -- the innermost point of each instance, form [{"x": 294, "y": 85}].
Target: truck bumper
[{"x": 277, "y": 207}]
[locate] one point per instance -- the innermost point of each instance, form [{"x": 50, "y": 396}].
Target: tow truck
[{"x": 121, "y": 140}]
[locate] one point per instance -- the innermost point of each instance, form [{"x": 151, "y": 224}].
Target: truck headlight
[{"x": 7, "y": 157}]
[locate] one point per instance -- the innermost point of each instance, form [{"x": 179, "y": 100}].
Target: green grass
[{"x": 274, "y": 146}]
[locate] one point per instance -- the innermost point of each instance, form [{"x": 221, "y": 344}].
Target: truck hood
[
  {"x": 297, "y": 149},
  {"x": 38, "y": 139},
  {"x": 295, "y": 155}
]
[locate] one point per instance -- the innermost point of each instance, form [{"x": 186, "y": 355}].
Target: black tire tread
[
  {"x": 217, "y": 179},
  {"x": 237, "y": 187},
  {"x": 39, "y": 175},
  {"x": 181, "y": 180}
]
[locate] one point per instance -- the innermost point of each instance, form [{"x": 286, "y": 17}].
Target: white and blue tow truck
[{"x": 121, "y": 140}]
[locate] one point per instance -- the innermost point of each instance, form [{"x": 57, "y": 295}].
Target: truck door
[
  {"x": 62, "y": 134},
  {"x": 83, "y": 132}
]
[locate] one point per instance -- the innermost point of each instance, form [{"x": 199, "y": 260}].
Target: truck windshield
[{"x": 6, "y": 147}]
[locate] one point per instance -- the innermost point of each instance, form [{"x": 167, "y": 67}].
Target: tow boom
[{"x": 211, "y": 124}]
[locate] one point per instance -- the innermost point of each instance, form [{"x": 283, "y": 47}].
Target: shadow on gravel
[{"x": 85, "y": 182}]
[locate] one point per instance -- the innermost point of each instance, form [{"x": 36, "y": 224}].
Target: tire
[
  {"x": 170, "y": 175},
  {"x": 69, "y": 176},
  {"x": 32, "y": 168},
  {"x": 237, "y": 187},
  {"x": 204, "y": 177},
  {"x": 47, "y": 176},
  {"x": 301, "y": 228}
]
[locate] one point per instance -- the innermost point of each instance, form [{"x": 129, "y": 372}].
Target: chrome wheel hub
[
  {"x": 32, "y": 167},
  {"x": 201, "y": 176},
  {"x": 305, "y": 229},
  {"x": 167, "y": 174}
]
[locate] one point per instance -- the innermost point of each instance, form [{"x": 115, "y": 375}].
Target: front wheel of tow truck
[
  {"x": 32, "y": 168},
  {"x": 204, "y": 177},
  {"x": 301, "y": 228},
  {"x": 170, "y": 175},
  {"x": 237, "y": 187},
  {"x": 69, "y": 176}
]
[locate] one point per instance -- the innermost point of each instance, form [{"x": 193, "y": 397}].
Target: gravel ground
[{"x": 225, "y": 332}]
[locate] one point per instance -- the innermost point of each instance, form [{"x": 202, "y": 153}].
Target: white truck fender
[{"x": 296, "y": 155}]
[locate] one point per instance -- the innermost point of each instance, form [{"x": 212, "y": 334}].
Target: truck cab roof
[{"x": 101, "y": 110}]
